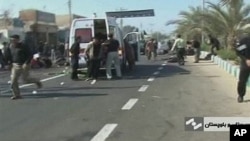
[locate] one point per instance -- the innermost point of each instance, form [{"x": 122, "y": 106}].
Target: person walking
[
  {"x": 112, "y": 49},
  {"x": 197, "y": 49},
  {"x": 75, "y": 50},
  {"x": 150, "y": 47},
  {"x": 2, "y": 60},
  {"x": 243, "y": 51},
  {"x": 215, "y": 44},
  {"x": 155, "y": 42},
  {"x": 94, "y": 52},
  {"x": 21, "y": 57},
  {"x": 179, "y": 45}
]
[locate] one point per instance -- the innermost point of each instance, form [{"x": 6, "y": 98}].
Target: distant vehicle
[
  {"x": 162, "y": 48},
  {"x": 87, "y": 28}
]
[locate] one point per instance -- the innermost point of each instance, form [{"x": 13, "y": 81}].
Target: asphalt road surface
[{"x": 149, "y": 104}]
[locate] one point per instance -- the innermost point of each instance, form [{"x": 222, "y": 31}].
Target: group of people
[{"x": 98, "y": 52}]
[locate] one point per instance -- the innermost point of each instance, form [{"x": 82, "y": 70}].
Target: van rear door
[{"x": 86, "y": 37}]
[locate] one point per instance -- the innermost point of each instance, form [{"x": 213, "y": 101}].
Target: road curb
[{"x": 233, "y": 70}]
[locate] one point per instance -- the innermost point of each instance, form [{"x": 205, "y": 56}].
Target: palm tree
[
  {"x": 190, "y": 23},
  {"x": 231, "y": 21},
  {"x": 224, "y": 22},
  {"x": 228, "y": 2}
]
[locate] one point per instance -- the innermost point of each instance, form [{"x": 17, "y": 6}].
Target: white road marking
[
  {"x": 156, "y": 73},
  {"x": 160, "y": 68},
  {"x": 43, "y": 80},
  {"x": 103, "y": 134},
  {"x": 129, "y": 104},
  {"x": 54, "y": 77},
  {"x": 156, "y": 97},
  {"x": 55, "y": 98},
  {"x": 164, "y": 64},
  {"x": 151, "y": 79},
  {"x": 143, "y": 88}
]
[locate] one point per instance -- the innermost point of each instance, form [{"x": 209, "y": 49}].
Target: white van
[{"x": 87, "y": 28}]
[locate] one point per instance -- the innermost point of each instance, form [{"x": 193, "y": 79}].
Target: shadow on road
[
  {"x": 54, "y": 94},
  {"x": 145, "y": 71},
  {"x": 68, "y": 88}
]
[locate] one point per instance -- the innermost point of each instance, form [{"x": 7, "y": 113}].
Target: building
[
  {"x": 40, "y": 25},
  {"x": 63, "y": 22}
]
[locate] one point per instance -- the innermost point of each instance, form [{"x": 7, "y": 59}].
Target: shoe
[
  {"x": 87, "y": 79},
  {"x": 93, "y": 82},
  {"x": 240, "y": 99},
  {"x": 16, "y": 97},
  {"x": 39, "y": 85}
]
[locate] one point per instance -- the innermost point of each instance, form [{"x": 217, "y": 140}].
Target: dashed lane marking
[
  {"x": 160, "y": 68},
  {"x": 104, "y": 133},
  {"x": 151, "y": 79},
  {"x": 129, "y": 105},
  {"x": 156, "y": 73},
  {"x": 143, "y": 88}
]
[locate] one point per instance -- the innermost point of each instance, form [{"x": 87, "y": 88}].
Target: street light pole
[
  {"x": 202, "y": 28},
  {"x": 70, "y": 20}
]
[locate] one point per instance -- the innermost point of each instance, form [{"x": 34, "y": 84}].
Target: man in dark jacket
[
  {"x": 197, "y": 47},
  {"x": 21, "y": 57},
  {"x": 2, "y": 59},
  {"x": 75, "y": 50},
  {"x": 243, "y": 51},
  {"x": 215, "y": 44}
]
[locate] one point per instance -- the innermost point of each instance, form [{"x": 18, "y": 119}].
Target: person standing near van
[
  {"x": 75, "y": 50},
  {"x": 21, "y": 57},
  {"x": 94, "y": 51},
  {"x": 112, "y": 49}
]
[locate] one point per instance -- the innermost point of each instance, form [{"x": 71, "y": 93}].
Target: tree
[
  {"x": 231, "y": 20},
  {"x": 159, "y": 36},
  {"x": 223, "y": 22},
  {"x": 190, "y": 23}
]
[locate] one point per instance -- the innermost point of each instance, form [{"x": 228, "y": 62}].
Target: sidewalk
[{"x": 226, "y": 86}]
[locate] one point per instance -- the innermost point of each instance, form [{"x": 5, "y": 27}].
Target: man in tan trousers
[{"x": 20, "y": 56}]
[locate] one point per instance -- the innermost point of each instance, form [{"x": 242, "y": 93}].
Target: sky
[{"x": 165, "y": 10}]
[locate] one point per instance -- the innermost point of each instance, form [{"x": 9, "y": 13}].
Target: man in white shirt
[{"x": 179, "y": 45}]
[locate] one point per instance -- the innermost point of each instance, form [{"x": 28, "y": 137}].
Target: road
[{"x": 149, "y": 104}]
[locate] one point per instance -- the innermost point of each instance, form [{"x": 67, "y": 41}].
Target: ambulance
[{"x": 87, "y": 28}]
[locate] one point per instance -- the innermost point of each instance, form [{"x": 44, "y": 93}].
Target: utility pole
[
  {"x": 202, "y": 28},
  {"x": 121, "y": 21},
  {"x": 67, "y": 37},
  {"x": 70, "y": 13}
]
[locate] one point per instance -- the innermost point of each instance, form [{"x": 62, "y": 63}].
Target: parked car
[{"x": 162, "y": 49}]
